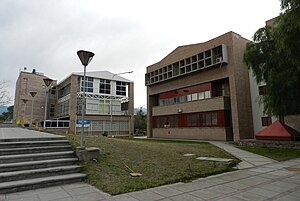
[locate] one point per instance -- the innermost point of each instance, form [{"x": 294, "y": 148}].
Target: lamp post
[
  {"x": 85, "y": 58},
  {"x": 111, "y": 112},
  {"x": 24, "y": 101},
  {"x": 47, "y": 82},
  {"x": 32, "y": 93}
]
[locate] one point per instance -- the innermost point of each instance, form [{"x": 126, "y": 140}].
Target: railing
[{"x": 57, "y": 123}]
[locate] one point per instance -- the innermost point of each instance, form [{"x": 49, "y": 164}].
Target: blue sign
[{"x": 85, "y": 122}]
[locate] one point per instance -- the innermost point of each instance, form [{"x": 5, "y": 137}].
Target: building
[
  {"x": 201, "y": 91},
  {"x": 260, "y": 119},
  {"x": 109, "y": 102},
  {"x": 25, "y": 104}
]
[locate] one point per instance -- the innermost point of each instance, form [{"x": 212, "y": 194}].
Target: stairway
[{"x": 31, "y": 163}]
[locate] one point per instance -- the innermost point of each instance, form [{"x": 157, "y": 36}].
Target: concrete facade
[
  {"x": 31, "y": 82},
  {"x": 69, "y": 104},
  {"x": 65, "y": 99},
  {"x": 231, "y": 72}
]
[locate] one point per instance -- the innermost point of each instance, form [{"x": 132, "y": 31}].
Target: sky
[{"x": 124, "y": 35}]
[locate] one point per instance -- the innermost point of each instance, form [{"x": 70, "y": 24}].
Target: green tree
[
  {"x": 140, "y": 121},
  {"x": 274, "y": 58},
  {"x": 7, "y": 116}
]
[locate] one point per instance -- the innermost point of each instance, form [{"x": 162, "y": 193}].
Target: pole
[
  {"x": 83, "y": 110},
  {"x": 111, "y": 99},
  {"x": 31, "y": 112},
  {"x": 46, "y": 104}
]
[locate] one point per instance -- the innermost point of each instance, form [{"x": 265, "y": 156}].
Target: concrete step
[
  {"x": 33, "y": 139},
  {"x": 30, "y": 150},
  {"x": 29, "y": 165},
  {"x": 28, "y": 184},
  {"x": 37, "y": 173},
  {"x": 6, "y": 145},
  {"x": 35, "y": 156}
]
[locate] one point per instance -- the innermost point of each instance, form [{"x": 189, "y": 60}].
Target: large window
[
  {"x": 199, "y": 119},
  {"x": 104, "y": 87},
  {"x": 88, "y": 84},
  {"x": 198, "y": 92},
  {"x": 121, "y": 88}
]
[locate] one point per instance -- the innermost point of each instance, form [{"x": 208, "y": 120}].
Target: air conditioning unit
[{"x": 219, "y": 59}]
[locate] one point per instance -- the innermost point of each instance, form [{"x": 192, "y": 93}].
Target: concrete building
[
  {"x": 201, "y": 91},
  {"x": 260, "y": 119},
  {"x": 32, "y": 81},
  {"x": 108, "y": 97},
  {"x": 109, "y": 102}
]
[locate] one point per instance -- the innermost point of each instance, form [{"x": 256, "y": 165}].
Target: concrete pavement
[{"x": 258, "y": 179}]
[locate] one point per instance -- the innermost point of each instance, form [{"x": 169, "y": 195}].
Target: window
[
  {"x": 104, "y": 87},
  {"x": 121, "y": 88},
  {"x": 194, "y": 96},
  {"x": 25, "y": 86},
  {"x": 88, "y": 84},
  {"x": 52, "y": 110},
  {"x": 266, "y": 121},
  {"x": 199, "y": 119},
  {"x": 262, "y": 90},
  {"x": 201, "y": 95},
  {"x": 207, "y": 94}
]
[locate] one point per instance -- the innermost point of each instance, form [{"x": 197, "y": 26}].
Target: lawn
[
  {"x": 278, "y": 154},
  {"x": 159, "y": 162}
]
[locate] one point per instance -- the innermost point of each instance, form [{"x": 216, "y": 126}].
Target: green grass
[
  {"x": 274, "y": 153},
  {"x": 160, "y": 162}
]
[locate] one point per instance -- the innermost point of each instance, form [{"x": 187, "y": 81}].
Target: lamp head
[
  {"x": 85, "y": 56},
  {"x": 33, "y": 93},
  {"x": 47, "y": 81}
]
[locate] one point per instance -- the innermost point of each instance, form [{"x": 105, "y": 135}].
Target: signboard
[{"x": 86, "y": 123}]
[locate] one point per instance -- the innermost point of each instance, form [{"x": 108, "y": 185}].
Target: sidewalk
[
  {"x": 258, "y": 179},
  {"x": 248, "y": 159}
]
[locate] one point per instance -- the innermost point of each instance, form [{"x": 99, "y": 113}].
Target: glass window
[
  {"x": 189, "y": 97},
  {"x": 88, "y": 84},
  {"x": 194, "y": 96},
  {"x": 121, "y": 88},
  {"x": 214, "y": 119},
  {"x": 104, "y": 86},
  {"x": 207, "y": 94},
  {"x": 201, "y": 95},
  {"x": 182, "y": 99},
  {"x": 266, "y": 121}
]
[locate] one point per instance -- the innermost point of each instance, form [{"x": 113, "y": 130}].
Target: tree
[
  {"x": 7, "y": 116},
  {"x": 274, "y": 58},
  {"x": 140, "y": 121},
  {"x": 4, "y": 95}
]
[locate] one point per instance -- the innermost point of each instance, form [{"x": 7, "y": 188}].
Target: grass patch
[
  {"x": 160, "y": 162},
  {"x": 278, "y": 154}
]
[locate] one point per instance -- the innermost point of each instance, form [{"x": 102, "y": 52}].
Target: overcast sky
[{"x": 125, "y": 35}]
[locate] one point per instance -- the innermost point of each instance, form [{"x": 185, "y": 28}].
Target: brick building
[
  {"x": 33, "y": 82},
  {"x": 201, "y": 91},
  {"x": 109, "y": 102},
  {"x": 107, "y": 96}
]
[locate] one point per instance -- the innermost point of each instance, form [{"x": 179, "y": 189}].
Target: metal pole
[
  {"x": 46, "y": 103},
  {"x": 111, "y": 99},
  {"x": 31, "y": 112},
  {"x": 83, "y": 110}
]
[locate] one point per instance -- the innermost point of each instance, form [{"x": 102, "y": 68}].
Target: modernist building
[
  {"x": 201, "y": 91},
  {"x": 25, "y": 104},
  {"x": 109, "y": 102}
]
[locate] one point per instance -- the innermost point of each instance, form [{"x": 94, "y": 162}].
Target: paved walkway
[{"x": 259, "y": 179}]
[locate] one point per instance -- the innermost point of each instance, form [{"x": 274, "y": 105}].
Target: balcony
[{"x": 211, "y": 104}]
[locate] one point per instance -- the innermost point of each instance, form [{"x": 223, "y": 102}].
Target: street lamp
[
  {"x": 32, "y": 93},
  {"x": 111, "y": 112},
  {"x": 85, "y": 58},
  {"x": 47, "y": 82},
  {"x": 24, "y": 101}
]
